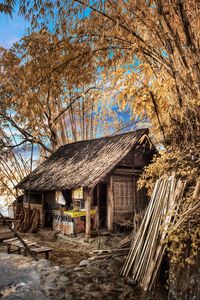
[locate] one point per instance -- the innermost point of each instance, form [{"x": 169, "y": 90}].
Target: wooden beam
[
  {"x": 87, "y": 198},
  {"x": 110, "y": 203},
  {"x": 42, "y": 217}
]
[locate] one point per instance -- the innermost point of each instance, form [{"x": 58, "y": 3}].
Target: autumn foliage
[{"x": 85, "y": 57}]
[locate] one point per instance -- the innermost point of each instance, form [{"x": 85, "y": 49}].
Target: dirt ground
[
  {"x": 99, "y": 279},
  {"x": 69, "y": 251},
  {"x": 64, "y": 253}
]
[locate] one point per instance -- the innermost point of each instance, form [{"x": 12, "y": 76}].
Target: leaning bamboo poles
[{"x": 148, "y": 247}]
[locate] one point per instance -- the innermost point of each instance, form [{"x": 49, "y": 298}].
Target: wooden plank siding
[{"x": 128, "y": 202}]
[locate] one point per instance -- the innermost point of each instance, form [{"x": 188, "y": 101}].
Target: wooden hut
[{"x": 100, "y": 173}]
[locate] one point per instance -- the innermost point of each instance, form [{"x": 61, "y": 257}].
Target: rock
[
  {"x": 63, "y": 279},
  {"x": 84, "y": 263},
  {"x": 56, "y": 268},
  {"x": 51, "y": 278},
  {"x": 130, "y": 281},
  {"x": 95, "y": 295},
  {"x": 77, "y": 269},
  {"x": 91, "y": 240},
  {"x": 20, "y": 285},
  {"x": 43, "y": 263},
  {"x": 68, "y": 296},
  {"x": 62, "y": 269},
  {"x": 35, "y": 276}
]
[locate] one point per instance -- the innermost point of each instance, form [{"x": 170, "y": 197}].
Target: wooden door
[{"x": 123, "y": 188}]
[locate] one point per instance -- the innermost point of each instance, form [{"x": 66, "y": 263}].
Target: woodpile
[
  {"x": 148, "y": 247},
  {"x": 126, "y": 242},
  {"x": 29, "y": 220},
  {"x": 107, "y": 253}
]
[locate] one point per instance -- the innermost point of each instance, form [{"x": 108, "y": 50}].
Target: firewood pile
[
  {"x": 148, "y": 246},
  {"x": 29, "y": 220},
  {"x": 126, "y": 242}
]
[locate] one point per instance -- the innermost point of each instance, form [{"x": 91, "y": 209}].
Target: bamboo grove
[{"x": 143, "y": 56}]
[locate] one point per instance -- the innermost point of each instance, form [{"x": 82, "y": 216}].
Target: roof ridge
[{"x": 104, "y": 137}]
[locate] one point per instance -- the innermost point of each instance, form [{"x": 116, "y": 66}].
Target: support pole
[
  {"x": 98, "y": 207},
  {"x": 29, "y": 190},
  {"x": 110, "y": 204},
  {"x": 88, "y": 215}
]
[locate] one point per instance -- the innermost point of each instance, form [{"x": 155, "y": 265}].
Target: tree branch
[
  {"x": 26, "y": 134},
  {"x": 157, "y": 114},
  {"x": 113, "y": 20},
  {"x": 16, "y": 145}
]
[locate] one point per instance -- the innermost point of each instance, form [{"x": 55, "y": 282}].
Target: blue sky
[{"x": 11, "y": 29}]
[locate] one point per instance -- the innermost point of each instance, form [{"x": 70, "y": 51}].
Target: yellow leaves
[
  {"x": 121, "y": 100},
  {"x": 190, "y": 261},
  {"x": 123, "y": 103}
]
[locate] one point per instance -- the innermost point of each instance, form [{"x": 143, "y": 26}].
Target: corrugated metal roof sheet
[{"x": 82, "y": 163}]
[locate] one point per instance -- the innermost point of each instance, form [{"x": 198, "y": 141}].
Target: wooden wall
[
  {"x": 123, "y": 198},
  {"x": 40, "y": 201}
]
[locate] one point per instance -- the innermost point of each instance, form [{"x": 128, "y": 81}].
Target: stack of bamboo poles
[{"x": 148, "y": 247}]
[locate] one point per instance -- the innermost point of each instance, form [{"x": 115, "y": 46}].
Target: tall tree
[{"x": 163, "y": 36}]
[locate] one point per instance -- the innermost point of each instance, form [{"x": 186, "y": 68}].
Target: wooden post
[
  {"x": 98, "y": 207},
  {"x": 135, "y": 205},
  {"x": 87, "y": 197},
  {"x": 42, "y": 216},
  {"x": 110, "y": 203}
]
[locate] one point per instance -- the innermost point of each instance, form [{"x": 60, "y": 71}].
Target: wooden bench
[
  {"x": 35, "y": 248},
  {"x": 40, "y": 249}
]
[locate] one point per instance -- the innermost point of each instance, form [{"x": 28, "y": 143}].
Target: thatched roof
[{"x": 81, "y": 164}]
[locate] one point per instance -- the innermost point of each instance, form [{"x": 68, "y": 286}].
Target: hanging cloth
[{"x": 60, "y": 198}]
